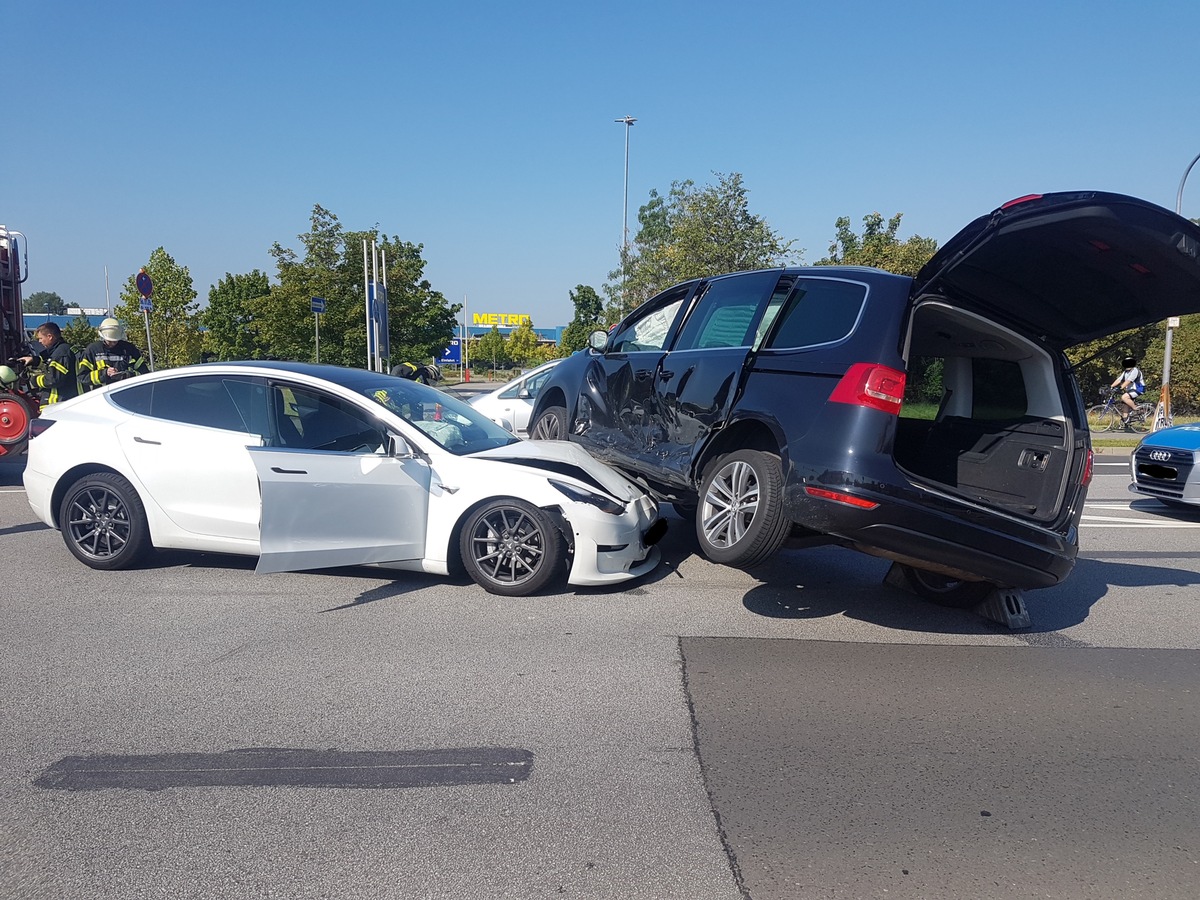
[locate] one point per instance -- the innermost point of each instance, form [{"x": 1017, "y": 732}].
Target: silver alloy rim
[
  {"x": 508, "y": 545},
  {"x": 98, "y": 523},
  {"x": 730, "y": 504},
  {"x": 548, "y": 428}
]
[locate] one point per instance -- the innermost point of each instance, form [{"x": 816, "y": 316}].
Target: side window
[
  {"x": 310, "y": 420},
  {"x": 214, "y": 401},
  {"x": 818, "y": 311},
  {"x": 725, "y": 315},
  {"x": 532, "y": 385},
  {"x": 650, "y": 329}
]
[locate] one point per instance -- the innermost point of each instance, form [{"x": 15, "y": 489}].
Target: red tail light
[
  {"x": 839, "y": 497},
  {"x": 873, "y": 385},
  {"x": 1020, "y": 200},
  {"x": 1087, "y": 469}
]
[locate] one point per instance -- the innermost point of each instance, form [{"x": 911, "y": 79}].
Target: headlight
[{"x": 582, "y": 495}]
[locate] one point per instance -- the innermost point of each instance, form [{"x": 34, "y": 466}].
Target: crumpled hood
[{"x": 564, "y": 458}]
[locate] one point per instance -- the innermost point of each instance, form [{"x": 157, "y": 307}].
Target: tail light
[
  {"x": 1087, "y": 468},
  {"x": 873, "y": 385}
]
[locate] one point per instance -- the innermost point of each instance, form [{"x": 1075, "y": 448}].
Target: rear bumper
[{"x": 961, "y": 540}]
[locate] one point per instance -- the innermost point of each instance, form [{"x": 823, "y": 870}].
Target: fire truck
[{"x": 18, "y": 405}]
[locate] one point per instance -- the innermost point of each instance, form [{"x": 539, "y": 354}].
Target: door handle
[
  {"x": 142, "y": 440},
  {"x": 643, "y": 374},
  {"x": 281, "y": 471},
  {"x": 666, "y": 375}
]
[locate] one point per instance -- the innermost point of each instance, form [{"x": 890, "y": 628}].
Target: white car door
[
  {"x": 187, "y": 446},
  {"x": 322, "y": 509},
  {"x": 201, "y": 477}
]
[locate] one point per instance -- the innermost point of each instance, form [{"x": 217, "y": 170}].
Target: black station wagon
[{"x": 771, "y": 403}]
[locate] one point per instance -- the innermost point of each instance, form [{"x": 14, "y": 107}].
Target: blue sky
[{"x": 485, "y": 131}]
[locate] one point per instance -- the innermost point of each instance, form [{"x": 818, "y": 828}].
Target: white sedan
[
  {"x": 316, "y": 466},
  {"x": 511, "y": 404}
]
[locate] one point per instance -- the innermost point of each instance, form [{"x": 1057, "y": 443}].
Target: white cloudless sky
[{"x": 486, "y": 132}]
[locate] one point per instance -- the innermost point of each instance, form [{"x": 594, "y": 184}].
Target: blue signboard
[
  {"x": 452, "y": 355},
  {"x": 318, "y": 304},
  {"x": 146, "y": 305},
  {"x": 144, "y": 285}
]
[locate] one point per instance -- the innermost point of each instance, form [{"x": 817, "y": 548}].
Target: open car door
[{"x": 323, "y": 509}]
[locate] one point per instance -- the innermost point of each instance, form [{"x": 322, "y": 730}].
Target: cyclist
[{"x": 1132, "y": 386}]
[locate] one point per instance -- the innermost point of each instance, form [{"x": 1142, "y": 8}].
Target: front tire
[
  {"x": 1101, "y": 418},
  {"x": 511, "y": 548},
  {"x": 946, "y": 591},
  {"x": 740, "y": 520},
  {"x": 551, "y": 425},
  {"x": 103, "y": 522}
]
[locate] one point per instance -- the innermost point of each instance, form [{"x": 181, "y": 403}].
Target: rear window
[{"x": 818, "y": 311}]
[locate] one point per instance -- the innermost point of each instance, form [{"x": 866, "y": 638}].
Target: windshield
[{"x": 450, "y": 422}]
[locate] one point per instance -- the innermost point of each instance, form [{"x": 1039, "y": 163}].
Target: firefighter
[
  {"x": 55, "y": 377},
  {"x": 109, "y": 359}
]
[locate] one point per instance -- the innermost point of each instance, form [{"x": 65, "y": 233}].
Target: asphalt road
[{"x": 191, "y": 729}]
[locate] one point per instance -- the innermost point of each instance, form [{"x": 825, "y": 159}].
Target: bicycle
[{"x": 1107, "y": 416}]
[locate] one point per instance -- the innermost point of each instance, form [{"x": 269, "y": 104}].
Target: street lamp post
[
  {"x": 628, "y": 121},
  {"x": 1182, "y": 181}
]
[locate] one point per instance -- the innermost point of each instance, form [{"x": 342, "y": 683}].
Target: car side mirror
[
  {"x": 524, "y": 394},
  {"x": 398, "y": 447},
  {"x": 598, "y": 340}
]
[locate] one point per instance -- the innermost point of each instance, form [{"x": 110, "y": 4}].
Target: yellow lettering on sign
[{"x": 508, "y": 320}]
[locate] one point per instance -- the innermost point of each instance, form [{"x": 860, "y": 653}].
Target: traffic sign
[
  {"x": 146, "y": 305},
  {"x": 318, "y": 304},
  {"x": 144, "y": 285}
]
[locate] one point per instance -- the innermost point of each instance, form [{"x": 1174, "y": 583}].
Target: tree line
[{"x": 689, "y": 232}]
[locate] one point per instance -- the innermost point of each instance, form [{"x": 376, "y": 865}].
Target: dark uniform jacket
[
  {"x": 99, "y": 356},
  {"x": 55, "y": 374}
]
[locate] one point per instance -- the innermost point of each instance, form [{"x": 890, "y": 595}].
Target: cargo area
[{"x": 984, "y": 414}]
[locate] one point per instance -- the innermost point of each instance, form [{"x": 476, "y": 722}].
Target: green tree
[
  {"x": 878, "y": 246},
  {"x": 523, "y": 343},
  {"x": 79, "y": 333},
  {"x": 589, "y": 315},
  {"x": 491, "y": 349},
  {"x": 690, "y": 233},
  {"x": 174, "y": 320},
  {"x": 44, "y": 302},
  {"x": 421, "y": 323},
  {"x": 231, "y": 332}
]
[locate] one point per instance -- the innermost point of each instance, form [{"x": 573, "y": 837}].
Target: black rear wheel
[
  {"x": 740, "y": 520},
  {"x": 946, "y": 591},
  {"x": 103, "y": 522}
]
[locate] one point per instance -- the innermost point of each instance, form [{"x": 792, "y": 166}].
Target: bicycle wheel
[
  {"x": 1141, "y": 418},
  {"x": 1101, "y": 417}
]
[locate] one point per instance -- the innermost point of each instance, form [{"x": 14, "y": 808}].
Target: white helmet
[
  {"x": 111, "y": 330},
  {"x": 7, "y": 375}
]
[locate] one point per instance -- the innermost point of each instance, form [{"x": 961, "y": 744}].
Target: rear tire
[
  {"x": 1141, "y": 418},
  {"x": 740, "y": 520},
  {"x": 103, "y": 522},
  {"x": 946, "y": 591},
  {"x": 551, "y": 425}
]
